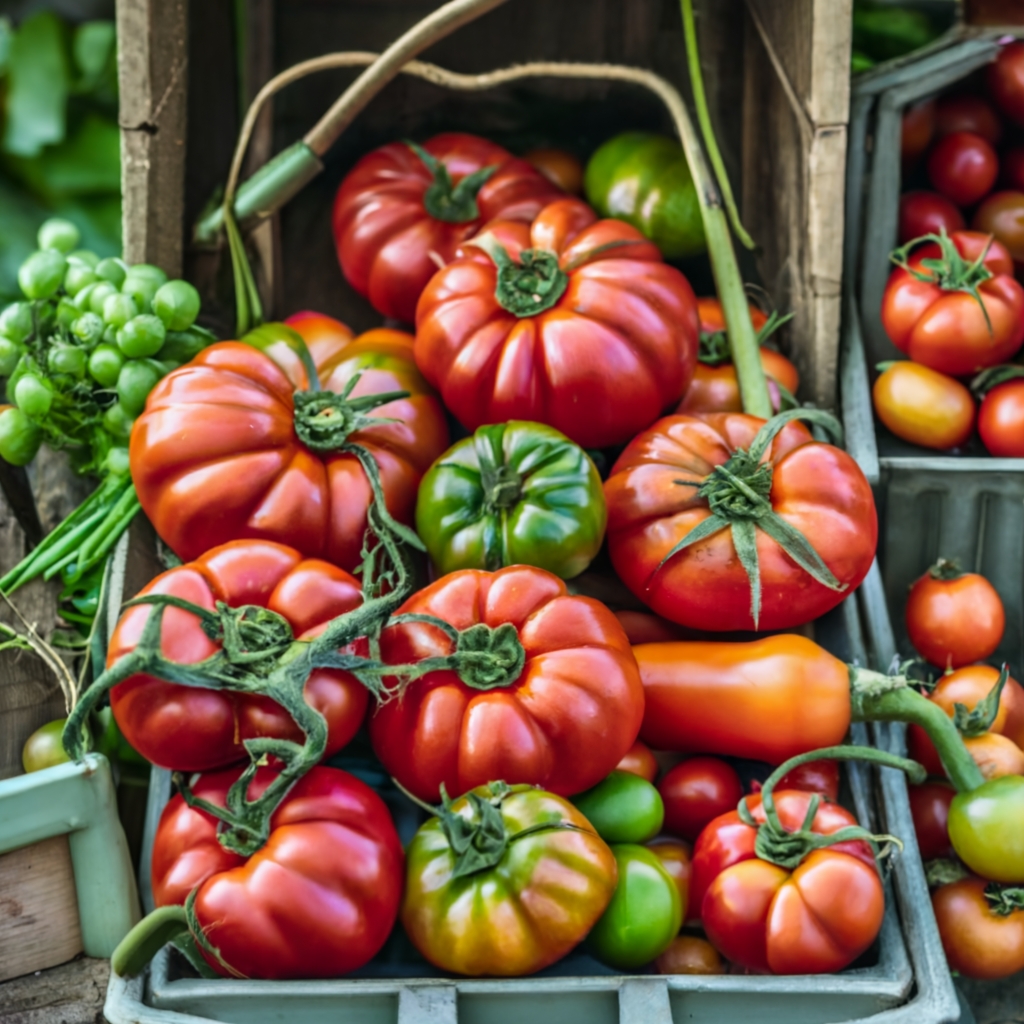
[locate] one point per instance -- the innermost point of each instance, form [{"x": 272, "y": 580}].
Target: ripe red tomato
[
  {"x": 639, "y": 761},
  {"x": 653, "y": 505},
  {"x": 217, "y": 457},
  {"x": 399, "y": 213},
  {"x": 561, "y": 168},
  {"x": 923, "y": 406},
  {"x": 1002, "y": 215},
  {"x": 927, "y": 213},
  {"x": 940, "y": 325},
  {"x": 918, "y": 127},
  {"x": 963, "y": 167},
  {"x": 967, "y": 113},
  {"x": 645, "y": 628},
  {"x": 326, "y": 884},
  {"x": 558, "y": 707},
  {"x": 677, "y": 859},
  {"x": 1011, "y": 168},
  {"x": 979, "y": 941},
  {"x": 1006, "y": 81},
  {"x": 812, "y": 777},
  {"x": 1001, "y": 420},
  {"x": 954, "y": 618},
  {"x": 594, "y": 335},
  {"x": 690, "y": 955},
  {"x": 929, "y": 807},
  {"x": 695, "y": 792},
  {"x": 186, "y": 728}
]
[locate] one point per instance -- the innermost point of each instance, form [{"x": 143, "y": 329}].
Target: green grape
[
  {"x": 88, "y": 329},
  {"x": 118, "y": 309},
  {"x": 42, "y": 274},
  {"x": 113, "y": 270},
  {"x": 99, "y": 296},
  {"x": 83, "y": 298},
  {"x": 149, "y": 272},
  {"x": 67, "y": 313},
  {"x": 116, "y": 462},
  {"x": 118, "y": 422},
  {"x": 67, "y": 359},
  {"x": 19, "y": 437},
  {"x": 141, "y": 336},
  {"x": 78, "y": 276},
  {"x": 105, "y": 364},
  {"x": 57, "y": 233},
  {"x": 142, "y": 290},
  {"x": 16, "y": 321},
  {"x": 86, "y": 256},
  {"x": 134, "y": 383},
  {"x": 177, "y": 304},
  {"x": 10, "y": 353},
  {"x": 33, "y": 396}
]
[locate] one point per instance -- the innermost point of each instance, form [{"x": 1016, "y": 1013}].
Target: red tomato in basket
[
  {"x": 1011, "y": 168},
  {"x": 812, "y": 777},
  {"x": 596, "y": 337},
  {"x": 696, "y": 791},
  {"x": 963, "y": 167},
  {"x": 929, "y": 807},
  {"x": 917, "y": 130},
  {"x": 396, "y": 219},
  {"x": 927, "y": 213},
  {"x": 967, "y": 113},
  {"x": 639, "y": 761},
  {"x": 317, "y": 900},
  {"x": 1002, "y": 215},
  {"x": 979, "y": 941},
  {"x": 923, "y": 406},
  {"x": 1006, "y": 81},
  {"x": 1001, "y": 420}
]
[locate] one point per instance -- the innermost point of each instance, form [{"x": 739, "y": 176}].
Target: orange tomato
[
  {"x": 559, "y": 167},
  {"x": 639, "y": 761},
  {"x": 717, "y": 389},
  {"x": 676, "y": 858},
  {"x": 924, "y": 406},
  {"x": 979, "y": 942},
  {"x": 690, "y": 955}
]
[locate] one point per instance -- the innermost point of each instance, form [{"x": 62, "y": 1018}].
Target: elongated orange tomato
[
  {"x": 924, "y": 406},
  {"x": 769, "y": 699}
]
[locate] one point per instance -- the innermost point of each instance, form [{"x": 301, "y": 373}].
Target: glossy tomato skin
[
  {"x": 812, "y": 777},
  {"x": 645, "y": 628},
  {"x": 623, "y": 808},
  {"x": 917, "y": 130},
  {"x": 384, "y": 233},
  {"x": 985, "y": 828},
  {"x": 652, "y": 506},
  {"x": 1002, "y": 215},
  {"x": 927, "y": 213},
  {"x": 947, "y": 330},
  {"x": 617, "y": 348},
  {"x": 562, "y": 169},
  {"x": 639, "y": 760},
  {"x": 953, "y": 622},
  {"x": 1011, "y": 168},
  {"x": 526, "y": 912},
  {"x": 929, "y": 807},
  {"x": 688, "y": 954},
  {"x": 563, "y": 724},
  {"x": 924, "y": 406},
  {"x": 45, "y": 747},
  {"x": 677, "y": 859},
  {"x": 697, "y": 791},
  {"x": 963, "y": 167},
  {"x": 978, "y": 942},
  {"x": 1006, "y": 81},
  {"x": 967, "y": 113},
  {"x": 714, "y": 698},
  {"x": 1001, "y": 420},
  {"x": 329, "y": 877}
]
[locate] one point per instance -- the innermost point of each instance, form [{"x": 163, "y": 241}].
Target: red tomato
[
  {"x": 923, "y": 406},
  {"x": 712, "y": 316},
  {"x": 1002, "y": 215},
  {"x": 645, "y": 628},
  {"x": 695, "y": 792},
  {"x": 979, "y": 942},
  {"x": 396, "y": 220},
  {"x": 1011, "y": 168},
  {"x": 185, "y": 728},
  {"x": 812, "y": 777},
  {"x": 560, "y": 168},
  {"x": 954, "y": 618},
  {"x": 612, "y": 344},
  {"x": 216, "y": 456},
  {"x": 559, "y": 711},
  {"x": 927, "y": 213},
  {"x": 967, "y": 113},
  {"x": 946, "y": 328},
  {"x": 1001, "y": 420},
  {"x": 918, "y": 127},
  {"x": 640, "y": 761},
  {"x": 676, "y": 858},
  {"x": 690, "y": 955},
  {"x": 1006, "y": 81},
  {"x": 316, "y": 901},
  {"x": 653, "y": 504},
  {"x": 929, "y": 806},
  {"x": 963, "y": 167}
]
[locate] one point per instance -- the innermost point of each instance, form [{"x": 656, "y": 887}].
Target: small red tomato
[
  {"x": 559, "y": 167},
  {"x": 677, "y": 859},
  {"x": 980, "y": 941},
  {"x": 1001, "y": 420},
  {"x": 923, "y": 406},
  {"x": 1002, "y": 215},
  {"x": 966, "y": 113},
  {"x": 1006, "y": 81},
  {"x": 927, "y": 213},
  {"x": 1011, "y": 168},
  {"x": 640, "y": 761},
  {"x": 918, "y": 129},
  {"x": 929, "y": 807},
  {"x": 689, "y": 954},
  {"x": 697, "y": 791},
  {"x": 812, "y": 777},
  {"x": 963, "y": 167}
]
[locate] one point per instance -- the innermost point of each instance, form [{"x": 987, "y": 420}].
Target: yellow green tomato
[
  {"x": 44, "y": 748},
  {"x": 623, "y": 808},
  {"x": 644, "y": 179},
  {"x": 514, "y": 493},
  {"x": 645, "y": 913},
  {"x": 986, "y": 828}
]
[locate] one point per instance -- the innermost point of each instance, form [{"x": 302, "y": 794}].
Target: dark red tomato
[
  {"x": 690, "y": 955},
  {"x": 185, "y": 728},
  {"x": 639, "y": 761},
  {"x": 979, "y": 942},
  {"x": 697, "y": 791},
  {"x": 316, "y": 901},
  {"x": 1006, "y": 81},
  {"x": 967, "y": 113},
  {"x": 397, "y": 217},
  {"x": 1011, "y": 168},
  {"x": 1002, "y": 215},
  {"x": 647, "y": 628},
  {"x": 918, "y": 129},
  {"x": 559, "y": 707},
  {"x": 929, "y": 806},
  {"x": 963, "y": 167},
  {"x": 812, "y": 777},
  {"x": 1001, "y": 420},
  {"x": 927, "y": 213},
  {"x": 559, "y": 167}
]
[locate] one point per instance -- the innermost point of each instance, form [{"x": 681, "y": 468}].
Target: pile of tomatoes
[{"x": 954, "y": 304}]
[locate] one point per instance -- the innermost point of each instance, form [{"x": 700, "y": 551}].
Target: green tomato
[
  {"x": 105, "y": 364},
  {"x": 45, "y": 747},
  {"x": 110, "y": 334},
  {"x": 83, "y": 297},
  {"x": 177, "y": 304},
  {"x": 183, "y": 346},
  {"x": 116, "y": 462},
  {"x": 644, "y": 179},
  {"x": 57, "y": 233},
  {"x": 78, "y": 275},
  {"x": 99, "y": 295},
  {"x": 88, "y": 329},
  {"x": 513, "y": 493},
  {"x": 142, "y": 336},
  {"x": 67, "y": 313},
  {"x": 33, "y": 396},
  {"x": 20, "y": 438},
  {"x": 67, "y": 359},
  {"x": 645, "y": 913},
  {"x": 86, "y": 256},
  {"x": 148, "y": 272},
  {"x": 112, "y": 270},
  {"x": 118, "y": 309},
  {"x": 142, "y": 290},
  {"x": 134, "y": 383},
  {"x": 986, "y": 828},
  {"x": 10, "y": 353},
  {"x": 16, "y": 322},
  {"x": 117, "y": 422},
  {"x": 42, "y": 274},
  {"x": 623, "y": 808}
]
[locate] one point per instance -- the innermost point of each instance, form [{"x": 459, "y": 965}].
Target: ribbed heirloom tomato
[
  {"x": 187, "y": 728},
  {"x": 405, "y": 209},
  {"x": 568, "y": 321},
  {"x": 537, "y": 686}
]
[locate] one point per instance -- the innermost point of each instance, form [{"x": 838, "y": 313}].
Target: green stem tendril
[
  {"x": 994, "y": 376},
  {"x": 324, "y": 420},
  {"x": 714, "y": 348},
  {"x": 248, "y": 307},
  {"x": 147, "y": 938},
  {"x": 946, "y": 569},
  {"x": 976, "y": 721},
  {"x": 528, "y": 286},
  {"x": 452, "y": 203},
  {"x": 1004, "y": 900},
  {"x": 944, "y": 871},
  {"x": 737, "y": 494}
]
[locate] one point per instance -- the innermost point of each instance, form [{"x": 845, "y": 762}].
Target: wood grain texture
[
  {"x": 73, "y": 993},
  {"x": 38, "y": 910}
]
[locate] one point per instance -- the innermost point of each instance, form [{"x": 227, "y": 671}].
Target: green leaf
[
  {"x": 38, "y": 79},
  {"x": 705, "y": 528},
  {"x": 6, "y": 34},
  {"x": 744, "y": 540},
  {"x": 800, "y": 549},
  {"x": 94, "y": 50}
]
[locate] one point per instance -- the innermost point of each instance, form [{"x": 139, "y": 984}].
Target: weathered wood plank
[{"x": 73, "y": 993}]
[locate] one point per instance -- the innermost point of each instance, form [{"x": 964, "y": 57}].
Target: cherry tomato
[
  {"x": 677, "y": 859},
  {"x": 623, "y": 808},
  {"x": 689, "y": 954},
  {"x": 917, "y": 130},
  {"x": 812, "y": 777},
  {"x": 954, "y": 618},
  {"x": 967, "y": 113},
  {"x": 1002, "y": 215},
  {"x": 927, "y": 213},
  {"x": 44, "y": 748},
  {"x": 697, "y": 791},
  {"x": 963, "y": 167},
  {"x": 559, "y": 167},
  {"x": 1006, "y": 81},
  {"x": 923, "y": 406},
  {"x": 1011, "y": 168},
  {"x": 640, "y": 761},
  {"x": 929, "y": 807},
  {"x": 979, "y": 942},
  {"x": 1001, "y": 420}
]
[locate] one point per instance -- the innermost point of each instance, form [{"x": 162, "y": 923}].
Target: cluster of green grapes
[{"x": 84, "y": 349}]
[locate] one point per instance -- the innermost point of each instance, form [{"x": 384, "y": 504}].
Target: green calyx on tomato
[
  {"x": 454, "y": 204},
  {"x": 1004, "y": 900},
  {"x": 993, "y": 377},
  {"x": 527, "y": 286},
  {"x": 324, "y": 420},
  {"x": 978, "y": 720},
  {"x": 714, "y": 347},
  {"x": 623, "y": 808},
  {"x": 738, "y": 496}
]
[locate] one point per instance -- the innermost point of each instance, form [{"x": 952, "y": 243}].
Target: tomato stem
[
  {"x": 452, "y": 203},
  {"x": 146, "y": 939},
  {"x": 527, "y": 286}
]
